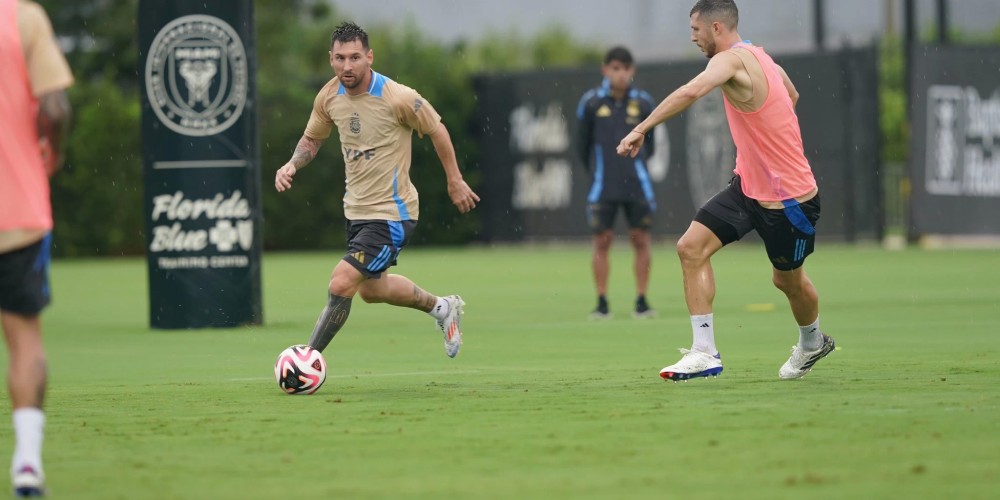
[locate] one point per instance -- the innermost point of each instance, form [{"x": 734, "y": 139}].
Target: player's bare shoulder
[
  {"x": 738, "y": 62},
  {"x": 733, "y": 58}
]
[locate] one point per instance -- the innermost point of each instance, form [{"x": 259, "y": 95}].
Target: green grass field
[{"x": 541, "y": 402}]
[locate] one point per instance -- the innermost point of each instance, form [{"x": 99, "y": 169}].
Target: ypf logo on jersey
[{"x": 196, "y": 75}]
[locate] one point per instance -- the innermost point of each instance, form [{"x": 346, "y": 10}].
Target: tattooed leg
[
  {"x": 420, "y": 299},
  {"x": 333, "y": 317}
]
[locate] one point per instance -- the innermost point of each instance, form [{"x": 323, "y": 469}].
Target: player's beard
[
  {"x": 355, "y": 81},
  {"x": 710, "y": 49}
]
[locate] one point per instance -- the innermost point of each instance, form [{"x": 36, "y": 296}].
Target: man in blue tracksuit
[{"x": 608, "y": 113}]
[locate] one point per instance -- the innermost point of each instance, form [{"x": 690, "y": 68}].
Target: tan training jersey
[{"x": 376, "y": 131}]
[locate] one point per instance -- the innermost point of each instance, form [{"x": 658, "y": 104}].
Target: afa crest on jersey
[
  {"x": 355, "y": 123},
  {"x": 633, "y": 108}
]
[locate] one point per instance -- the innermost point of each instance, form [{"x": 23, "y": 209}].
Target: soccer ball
[{"x": 300, "y": 369}]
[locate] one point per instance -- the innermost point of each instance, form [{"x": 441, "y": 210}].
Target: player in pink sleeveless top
[
  {"x": 33, "y": 113},
  {"x": 773, "y": 192}
]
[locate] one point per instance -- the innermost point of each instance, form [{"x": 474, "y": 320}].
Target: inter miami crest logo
[
  {"x": 355, "y": 123},
  {"x": 196, "y": 75}
]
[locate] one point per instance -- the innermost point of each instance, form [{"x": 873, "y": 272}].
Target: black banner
[
  {"x": 955, "y": 151},
  {"x": 536, "y": 188},
  {"x": 201, "y": 162}
]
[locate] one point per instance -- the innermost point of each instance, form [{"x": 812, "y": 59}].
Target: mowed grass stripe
[{"x": 541, "y": 403}]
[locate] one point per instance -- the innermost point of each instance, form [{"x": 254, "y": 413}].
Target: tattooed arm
[
  {"x": 304, "y": 153},
  {"x": 54, "y": 113}
]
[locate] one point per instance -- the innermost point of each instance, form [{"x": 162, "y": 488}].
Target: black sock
[
  {"x": 602, "y": 304},
  {"x": 333, "y": 317}
]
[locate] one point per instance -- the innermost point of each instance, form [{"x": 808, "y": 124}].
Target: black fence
[
  {"x": 955, "y": 149},
  {"x": 535, "y": 186}
]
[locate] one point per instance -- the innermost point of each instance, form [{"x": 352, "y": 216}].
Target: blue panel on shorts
[{"x": 797, "y": 217}]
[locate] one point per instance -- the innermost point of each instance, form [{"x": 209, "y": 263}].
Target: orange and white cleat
[{"x": 451, "y": 325}]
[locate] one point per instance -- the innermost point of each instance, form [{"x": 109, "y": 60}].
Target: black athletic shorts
[
  {"x": 601, "y": 215},
  {"x": 24, "y": 278},
  {"x": 373, "y": 245},
  {"x": 789, "y": 234}
]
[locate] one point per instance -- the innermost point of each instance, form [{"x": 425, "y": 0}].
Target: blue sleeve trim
[
  {"x": 404, "y": 214},
  {"x": 647, "y": 184},
  {"x": 378, "y": 83},
  {"x": 582, "y": 107},
  {"x": 598, "y": 186}
]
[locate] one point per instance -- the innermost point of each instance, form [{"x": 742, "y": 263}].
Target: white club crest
[{"x": 196, "y": 75}]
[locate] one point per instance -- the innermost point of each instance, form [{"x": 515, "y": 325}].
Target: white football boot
[
  {"x": 693, "y": 364},
  {"x": 28, "y": 482},
  {"x": 801, "y": 361},
  {"x": 451, "y": 325}
]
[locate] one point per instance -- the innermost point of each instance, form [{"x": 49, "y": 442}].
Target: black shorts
[
  {"x": 373, "y": 245},
  {"x": 601, "y": 215},
  {"x": 24, "y": 278},
  {"x": 789, "y": 234}
]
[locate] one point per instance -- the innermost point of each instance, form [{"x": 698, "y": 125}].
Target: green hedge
[{"x": 97, "y": 198}]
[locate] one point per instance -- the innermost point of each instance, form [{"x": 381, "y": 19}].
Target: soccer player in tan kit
[{"x": 376, "y": 118}]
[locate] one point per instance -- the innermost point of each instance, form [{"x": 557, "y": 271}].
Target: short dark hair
[
  {"x": 349, "y": 32},
  {"x": 620, "y": 54},
  {"x": 724, "y": 11}
]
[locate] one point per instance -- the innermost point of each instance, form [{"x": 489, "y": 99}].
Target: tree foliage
[{"x": 97, "y": 198}]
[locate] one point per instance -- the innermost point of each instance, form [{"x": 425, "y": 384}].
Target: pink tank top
[
  {"x": 769, "y": 157},
  {"x": 24, "y": 185}
]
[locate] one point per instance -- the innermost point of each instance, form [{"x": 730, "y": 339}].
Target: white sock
[
  {"x": 704, "y": 334},
  {"x": 810, "y": 338},
  {"x": 29, "y": 424},
  {"x": 441, "y": 309}
]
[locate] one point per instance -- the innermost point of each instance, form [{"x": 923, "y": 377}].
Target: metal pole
[
  {"x": 942, "y": 22},
  {"x": 819, "y": 24},
  {"x": 890, "y": 17},
  {"x": 909, "y": 35}
]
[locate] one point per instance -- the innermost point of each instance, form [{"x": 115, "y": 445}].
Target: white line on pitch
[
  {"x": 365, "y": 375},
  {"x": 417, "y": 374}
]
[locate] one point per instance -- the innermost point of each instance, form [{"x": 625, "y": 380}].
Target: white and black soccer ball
[{"x": 300, "y": 369}]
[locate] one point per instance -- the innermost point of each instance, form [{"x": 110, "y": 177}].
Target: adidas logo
[
  {"x": 704, "y": 325},
  {"x": 359, "y": 256}
]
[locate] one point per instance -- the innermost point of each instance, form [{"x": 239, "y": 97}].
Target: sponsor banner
[
  {"x": 535, "y": 185},
  {"x": 201, "y": 163},
  {"x": 956, "y": 148}
]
